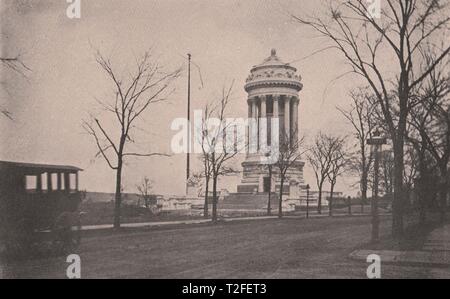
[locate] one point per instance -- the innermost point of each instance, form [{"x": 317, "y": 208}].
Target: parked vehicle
[{"x": 39, "y": 208}]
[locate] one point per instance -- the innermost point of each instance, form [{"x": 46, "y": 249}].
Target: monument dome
[{"x": 273, "y": 72}]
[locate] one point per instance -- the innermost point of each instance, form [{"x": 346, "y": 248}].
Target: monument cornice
[
  {"x": 296, "y": 85},
  {"x": 282, "y": 66}
]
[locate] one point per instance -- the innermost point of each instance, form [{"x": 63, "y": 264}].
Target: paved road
[{"x": 289, "y": 248}]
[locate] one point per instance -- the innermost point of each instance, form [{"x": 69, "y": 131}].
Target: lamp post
[
  {"x": 376, "y": 142},
  {"x": 307, "y": 201},
  {"x": 188, "y": 166}
]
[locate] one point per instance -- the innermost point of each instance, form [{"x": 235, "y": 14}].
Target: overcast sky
[{"x": 226, "y": 38}]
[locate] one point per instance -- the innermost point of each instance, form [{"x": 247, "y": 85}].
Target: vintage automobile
[{"x": 39, "y": 207}]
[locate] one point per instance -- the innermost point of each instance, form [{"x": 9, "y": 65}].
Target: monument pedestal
[{"x": 255, "y": 178}]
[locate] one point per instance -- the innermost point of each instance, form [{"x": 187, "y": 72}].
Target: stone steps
[{"x": 248, "y": 201}]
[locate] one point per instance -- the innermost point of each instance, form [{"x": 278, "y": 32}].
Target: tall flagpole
[{"x": 189, "y": 122}]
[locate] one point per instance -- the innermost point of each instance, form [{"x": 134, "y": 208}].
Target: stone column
[
  {"x": 49, "y": 182},
  {"x": 295, "y": 131},
  {"x": 287, "y": 121},
  {"x": 263, "y": 114},
  {"x": 256, "y": 116},
  {"x": 39, "y": 183},
  {"x": 248, "y": 129},
  {"x": 253, "y": 126},
  {"x": 66, "y": 182},
  {"x": 276, "y": 113},
  {"x": 276, "y": 99},
  {"x": 59, "y": 181},
  {"x": 254, "y": 107},
  {"x": 263, "y": 106}
]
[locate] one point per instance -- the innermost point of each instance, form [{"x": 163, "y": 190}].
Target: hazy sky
[{"x": 226, "y": 38}]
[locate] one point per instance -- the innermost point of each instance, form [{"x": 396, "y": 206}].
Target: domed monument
[{"x": 273, "y": 91}]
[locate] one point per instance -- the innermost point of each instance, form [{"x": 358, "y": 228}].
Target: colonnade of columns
[{"x": 284, "y": 107}]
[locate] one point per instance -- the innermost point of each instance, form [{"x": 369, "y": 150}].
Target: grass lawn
[
  {"x": 414, "y": 237},
  {"x": 103, "y": 213}
]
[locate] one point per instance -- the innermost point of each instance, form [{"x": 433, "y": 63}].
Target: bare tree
[
  {"x": 206, "y": 156},
  {"x": 387, "y": 172},
  {"x": 440, "y": 150},
  {"x": 132, "y": 97},
  {"x": 17, "y": 65},
  {"x": 410, "y": 171},
  {"x": 320, "y": 157},
  {"x": 339, "y": 160},
  {"x": 290, "y": 152},
  {"x": 425, "y": 184},
  {"x": 195, "y": 180},
  {"x": 419, "y": 120},
  {"x": 219, "y": 144},
  {"x": 145, "y": 189},
  {"x": 423, "y": 167},
  {"x": 402, "y": 30},
  {"x": 431, "y": 120},
  {"x": 360, "y": 116}
]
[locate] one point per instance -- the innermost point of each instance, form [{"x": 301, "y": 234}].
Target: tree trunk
[
  {"x": 330, "y": 213},
  {"x": 118, "y": 200},
  {"x": 397, "y": 201},
  {"x": 423, "y": 175},
  {"x": 363, "y": 190},
  {"x": 422, "y": 197},
  {"x": 118, "y": 197},
  {"x": 280, "y": 203},
  {"x": 364, "y": 176},
  {"x": 423, "y": 207},
  {"x": 319, "y": 204},
  {"x": 374, "y": 203},
  {"x": 206, "y": 204},
  {"x": 215, "y": 200}
]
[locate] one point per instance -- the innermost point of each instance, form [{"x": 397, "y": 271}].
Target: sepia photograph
[{"x": 227, "y": 147}]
